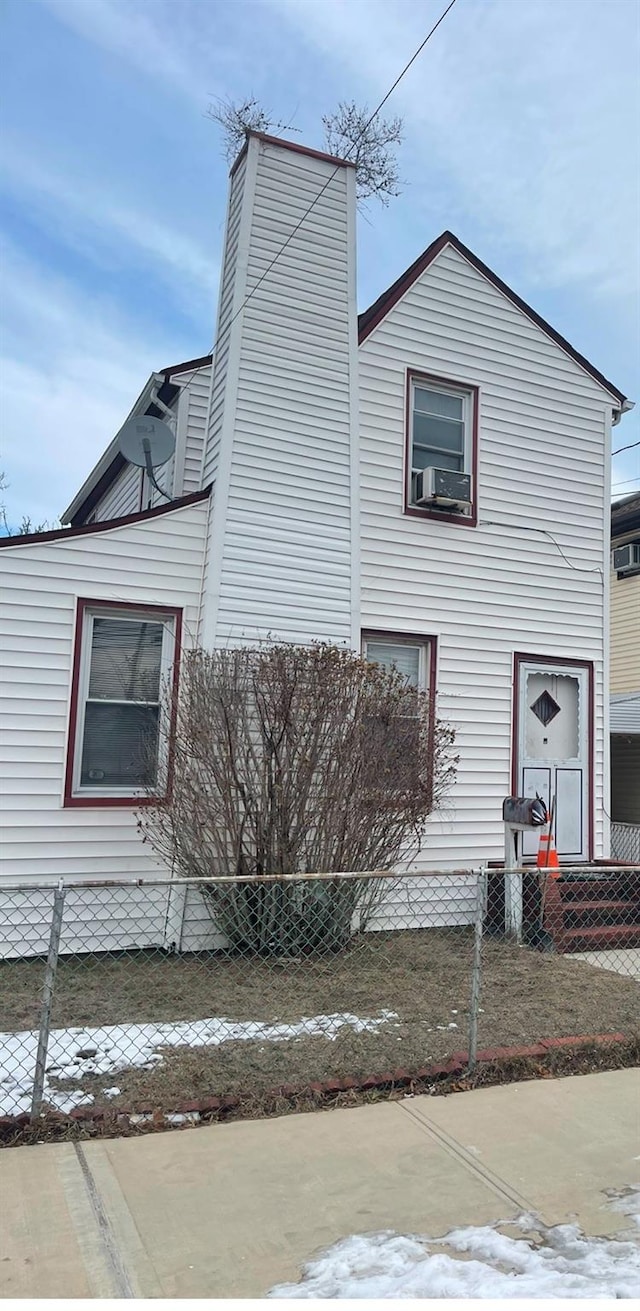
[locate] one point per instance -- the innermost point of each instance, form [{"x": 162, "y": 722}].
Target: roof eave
[
  {"x": 110, "y": 455},
  {"x": 376, "y": 312},
  {"x": 104, "y": 525}
]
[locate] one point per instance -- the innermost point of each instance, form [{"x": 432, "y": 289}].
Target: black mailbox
[{"x": 527, "y": 812}]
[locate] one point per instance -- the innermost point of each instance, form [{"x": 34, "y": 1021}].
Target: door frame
[{"x": 521, "y": 658}]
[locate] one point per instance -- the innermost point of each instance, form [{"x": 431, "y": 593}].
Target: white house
[{"x": 303, "y": 509}]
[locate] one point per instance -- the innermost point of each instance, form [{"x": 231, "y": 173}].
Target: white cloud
[
  {"x": 178, "y": 46},
  {"x": 127, "y": 29},
  {"x": 84, "y": 215},
  {"x": 70, "y": 375},
  {"x": 527, "y": 107}
]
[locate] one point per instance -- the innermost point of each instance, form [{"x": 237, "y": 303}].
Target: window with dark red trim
[
  {"x": 124, "y": 660},
  {"x": 441, "y": 434},
  {"x": 414, "y": 656}
]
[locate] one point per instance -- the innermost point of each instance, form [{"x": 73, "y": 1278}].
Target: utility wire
[
  {"x": 329, "y": 180},
  {"x": 624, "y": 482},
  {"x": 580, "y": 569},
  {"x": 625, "y": 448}
]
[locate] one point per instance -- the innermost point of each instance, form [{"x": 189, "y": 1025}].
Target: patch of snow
[
  {"x": 111, "y": 1092},
  {"x": 626, "y": 1201},
  {"x": 548, "y": 1262},
  {"x": 118, "y": 1047}
]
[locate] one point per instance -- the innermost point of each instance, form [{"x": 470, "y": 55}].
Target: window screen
[
  {"x": 122, "y": 709},
  {"x": 404, "y": 658}
]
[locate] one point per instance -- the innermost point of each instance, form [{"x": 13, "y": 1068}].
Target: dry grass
[
  {"x": 423, "y": 976},
  {"x": 587, "y": 1058}
]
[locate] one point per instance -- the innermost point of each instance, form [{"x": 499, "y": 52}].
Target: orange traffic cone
[{"x": 547, "y": 854}]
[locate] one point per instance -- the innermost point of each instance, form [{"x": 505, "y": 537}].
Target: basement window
[{"x": 118, "y": 731}]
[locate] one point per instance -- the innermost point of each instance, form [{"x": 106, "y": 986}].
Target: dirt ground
[{"x": 423, "y": 977}]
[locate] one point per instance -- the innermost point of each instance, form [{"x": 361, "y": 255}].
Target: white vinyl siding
[
  {"x": 157, "y": 562},
  {"x": 504, "y": 586},
  {"x": 153, "y": 497},
  {"x": 284, "y": 567},
  {"x": 122, "y": 497},
  {"x": 192, "y": 425},
  {"x": 229, "y": 302}
]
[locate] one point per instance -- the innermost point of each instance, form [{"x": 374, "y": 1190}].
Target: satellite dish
[{"x": 146, "y": 441}]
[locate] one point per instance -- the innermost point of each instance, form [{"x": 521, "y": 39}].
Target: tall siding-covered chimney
[{"x": 283, "y": 421}]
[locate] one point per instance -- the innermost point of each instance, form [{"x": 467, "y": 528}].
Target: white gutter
[{"x": 624, "y": 409}]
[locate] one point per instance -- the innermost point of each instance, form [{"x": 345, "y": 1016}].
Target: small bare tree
[
  {"x": 369, "y": 142},
  {"x": 290, "y": 759},
  {"x": 236, "y": 118}
]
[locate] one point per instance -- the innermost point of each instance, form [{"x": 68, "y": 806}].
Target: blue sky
[{"x": 521, "y": 136}]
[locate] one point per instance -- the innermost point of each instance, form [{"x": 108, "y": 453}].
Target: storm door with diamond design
[{"x": 553, "y": 751}]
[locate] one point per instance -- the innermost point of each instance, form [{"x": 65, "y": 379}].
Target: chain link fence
[
  {"x": 560, "y": 954},
  {"x": 162, "y": 993},
  {"x": 625, "y": 842}
]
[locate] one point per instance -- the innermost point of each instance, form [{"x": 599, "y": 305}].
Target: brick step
[
  {"x": 600, "y": 939},
  {"x": 600, "y": 913},
  {"x": 594, "y": 889}
]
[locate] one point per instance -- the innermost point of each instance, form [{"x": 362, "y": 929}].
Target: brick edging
[{"x": 456, "y": 1065}]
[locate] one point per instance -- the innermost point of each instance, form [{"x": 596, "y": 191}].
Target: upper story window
[
  {"x": 123, "y": 659},
  {"x": 441, "y": 449}
]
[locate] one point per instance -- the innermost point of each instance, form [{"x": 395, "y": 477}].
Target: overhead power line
[
  {"x": 329, "y": 180},
  {"x": 625, "y": 448}
]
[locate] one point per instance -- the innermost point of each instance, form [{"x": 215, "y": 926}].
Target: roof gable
[
  {"x": 376, "y": 312},
  {"x": 625, "y": 515}
]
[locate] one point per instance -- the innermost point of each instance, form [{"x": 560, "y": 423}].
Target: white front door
[{"x": 553, "y": 752}]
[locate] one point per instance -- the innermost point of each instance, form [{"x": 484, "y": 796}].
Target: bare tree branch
[
  {"x": 26, "y": 524},
  {"x": 350, "y": 134},
  {"x": 236, "y": 118}
]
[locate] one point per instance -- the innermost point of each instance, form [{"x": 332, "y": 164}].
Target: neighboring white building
[{"x": 296, "y": 481}]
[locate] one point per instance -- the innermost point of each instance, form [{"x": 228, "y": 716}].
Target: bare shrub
[{"x": 294, "y": 759}]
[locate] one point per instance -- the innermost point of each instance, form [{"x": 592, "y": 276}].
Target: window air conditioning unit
[
  {"x": 626, "y": 559},
  {"x": 443, "y": 489}
]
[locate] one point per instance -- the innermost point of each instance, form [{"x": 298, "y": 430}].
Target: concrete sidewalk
[{"x": 231, "y": 1210}]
